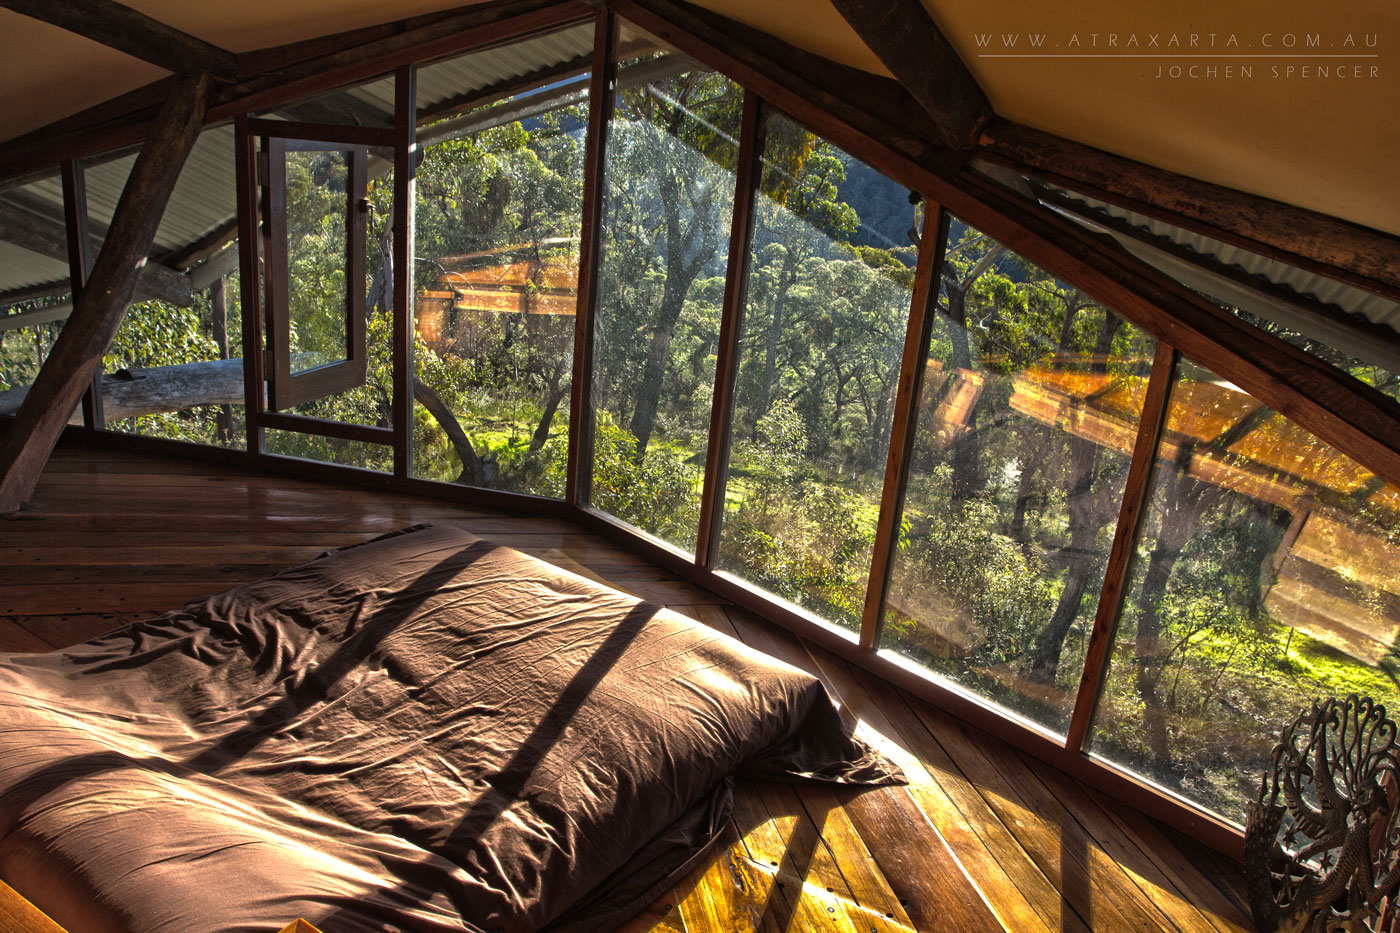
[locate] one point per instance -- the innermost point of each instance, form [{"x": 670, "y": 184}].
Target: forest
[{"x": 1031, "y": 394}]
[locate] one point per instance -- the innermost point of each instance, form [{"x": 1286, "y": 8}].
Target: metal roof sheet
[{"x": 204, "y": 197}]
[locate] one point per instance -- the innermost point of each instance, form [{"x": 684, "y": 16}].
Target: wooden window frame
[{"x": 286, "y": 388}]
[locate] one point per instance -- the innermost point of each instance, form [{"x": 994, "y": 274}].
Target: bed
[{"x": 422, "y": 732}]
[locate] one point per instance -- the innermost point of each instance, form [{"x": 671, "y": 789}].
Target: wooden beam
[
  {"x": 579, "y": 468},
  {"x": 133, "y": 32},
  {"x": 128, "y": 393},
  {"x": 803, "y": 85},
  {"x": 1329, "y": 315},
  {"x": 909, "y": 43},
  {"x": 274, "y": 76},
  {"x": 49, "y": 238},
  {"x": 405, "y": 167},
  {"x": 746, "y": 178},
  {"x": 1362, "y": 257},
  {"x": 1137, "y": 488},
  {"x": 58, "y": 312},
  {"x": 903, "y": 424},
  {"x": 99, "y": 309},
  {"x": 338, "y": 49}
]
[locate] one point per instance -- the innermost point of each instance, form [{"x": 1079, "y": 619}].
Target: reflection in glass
[
  {"x": 1029, "y": 412},
  {"x": 828, "y": 289},
  {"x": 672, "y": 147},
  {"x": 499, "y": 197},
  {"x": 1267, "y": 574},
  {"x": 316, "y": 256}
]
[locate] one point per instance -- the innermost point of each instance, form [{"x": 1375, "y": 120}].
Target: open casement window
[{"x": 315, "y": 211}]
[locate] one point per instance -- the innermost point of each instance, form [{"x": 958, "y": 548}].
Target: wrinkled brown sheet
[{"x": 425, "y": 732}]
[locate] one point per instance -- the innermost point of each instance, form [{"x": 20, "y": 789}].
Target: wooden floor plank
[
  {"x": 983, "y": 839},
  {"x": 1102, "y": 895},
  {"x": 938, "y": 858}
]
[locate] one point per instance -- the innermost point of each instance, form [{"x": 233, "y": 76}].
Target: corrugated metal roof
[
  {"x": 25, "y": 269},
  {"x": 205, "y": 195},
  {"x": 1201, "y": 262}
]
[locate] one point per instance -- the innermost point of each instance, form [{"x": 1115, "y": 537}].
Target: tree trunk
[
  {"x": 1090, "y": 509},
  {"x": 475, "y": 469},
  {"x": 1185, "y": 501},
  {"x": 557, "y": 393},
  {"x": 681, "y": 273}
]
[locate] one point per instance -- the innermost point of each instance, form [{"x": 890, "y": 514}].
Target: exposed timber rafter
[
  {"x": 98, "y": 311},
  {"x": 909, "y": 43},
  {"x": 133, "y": 32},
  {"x": 1362, "y": 257}
]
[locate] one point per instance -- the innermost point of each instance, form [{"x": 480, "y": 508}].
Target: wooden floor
[{"x": 984, "y": 838}]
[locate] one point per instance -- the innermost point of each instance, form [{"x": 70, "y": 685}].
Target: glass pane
[
  {"x": 672, "y": 147},
  {"x": 499, "y": 199},
  {"x": 1028, "y": 416},
  {"x": 827, "y": 303},
  {"x": 378, "y": 457},
  {"x": 194, "y": 337},
  {"x": 34, "y": 284},
  {"x": 316, "y": 256},
  {"x": 371, "y": 401},
  {"x": 1268, "y": 574}
]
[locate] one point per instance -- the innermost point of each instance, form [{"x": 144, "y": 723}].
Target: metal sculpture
[{"x": 1322, "y": 845}]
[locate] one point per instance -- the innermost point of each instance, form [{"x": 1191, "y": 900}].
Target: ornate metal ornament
[{"x": 1322, "y": 845}]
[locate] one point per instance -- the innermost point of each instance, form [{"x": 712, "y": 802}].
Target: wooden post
[
  {"x": 79, "y": 242},
  {"x": 579, "y": 472},
  {"x": 922, "y": 310},
  {"x": 98, "y": 311},
  {"x": 1136, "y": 490},
  {"x": 746, "y": 178},
  {"x": 250, "y": 283}
]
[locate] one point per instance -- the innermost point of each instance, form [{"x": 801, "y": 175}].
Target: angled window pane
[
  {"x": 317, "y": 225},
  {"x": 827, "y": 302},
  {"x": 498, "y": 205},
  {"x": 669, "y": 199},
  {"x": 34, "y": 284},
  {"x": 1267, "y": 575},
  {"x": 1028, "y": 415}
]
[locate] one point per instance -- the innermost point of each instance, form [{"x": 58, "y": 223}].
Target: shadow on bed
[{"x": 487, "y": 744}]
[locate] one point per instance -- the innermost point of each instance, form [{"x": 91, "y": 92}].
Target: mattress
[{"x": 424, "y": 732}]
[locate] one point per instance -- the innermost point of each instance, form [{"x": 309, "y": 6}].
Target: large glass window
[
  {"x": 1268, "y": 574},
  {"x": 499, "y": 196},
  {"x": 669, "y": 200},
  {"x": 174, "y": 369},
  {"x": 1029, "y": 411},
  {"x": 830, "y": 272},
  {"x": 34, "y": 284}
]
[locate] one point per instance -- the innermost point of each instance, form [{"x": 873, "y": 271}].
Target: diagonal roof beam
[
  {"x": 133, "y": 32},
  {"x": 100, "y": 306},
  {"x": 905, "y": 38}
]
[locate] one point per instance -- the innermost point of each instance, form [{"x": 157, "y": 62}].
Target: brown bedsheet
[{"x": 425, "y": 732}]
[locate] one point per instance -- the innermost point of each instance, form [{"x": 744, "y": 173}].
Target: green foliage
[{"x": 659, "y": 493}]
